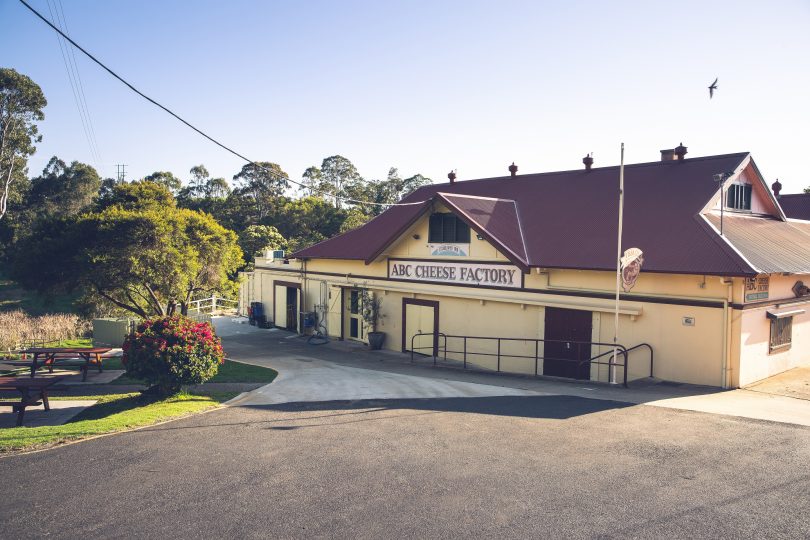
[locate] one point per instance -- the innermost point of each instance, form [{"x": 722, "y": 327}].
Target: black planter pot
[{"x": 375, "y": 340}]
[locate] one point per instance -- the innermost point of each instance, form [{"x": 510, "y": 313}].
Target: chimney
[
  {"x": 680, "y": 151},
  {"x": 668, "y": 155},
  {"x": 588, "y": 161},
  {"x": 452, "y": 176},
  {"x": 513, "y": 169},
  {"x": 776, "y": 187}
]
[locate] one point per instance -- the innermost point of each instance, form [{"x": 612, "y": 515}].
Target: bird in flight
[{"x": 712, "y": 88}]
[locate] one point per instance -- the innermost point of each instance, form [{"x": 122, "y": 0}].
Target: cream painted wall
[
  {"x": 409, "y": 247},
  {"x": 756, "y": 362},
  {"x": 693, "y": 354}
]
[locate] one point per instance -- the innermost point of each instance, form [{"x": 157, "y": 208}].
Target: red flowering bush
[{"x": 169, "y": 352}]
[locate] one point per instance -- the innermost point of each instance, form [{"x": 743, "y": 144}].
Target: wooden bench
[{"x": 33, "y": 392}]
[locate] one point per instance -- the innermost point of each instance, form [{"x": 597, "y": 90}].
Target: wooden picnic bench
[
  {"x": 50, "y": 357},
  {"x": 33, "y": 392}
]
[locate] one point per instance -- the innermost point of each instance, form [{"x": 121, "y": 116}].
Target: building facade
[{"x": 721, "y": 299}]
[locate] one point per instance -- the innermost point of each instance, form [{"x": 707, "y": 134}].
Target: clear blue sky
[{"x": 424, "y": 86}]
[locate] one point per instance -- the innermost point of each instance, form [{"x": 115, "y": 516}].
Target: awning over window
[{"x": 781, "y": 314}]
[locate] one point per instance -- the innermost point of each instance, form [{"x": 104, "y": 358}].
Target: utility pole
[{"x": 121, "y": 172}]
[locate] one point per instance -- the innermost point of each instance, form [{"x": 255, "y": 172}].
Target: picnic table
[
  {"x": 50, "y": 357},
  {"x": 33, "y": 392}
]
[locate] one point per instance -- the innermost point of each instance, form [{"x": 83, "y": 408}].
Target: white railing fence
[{"x": 213, "y": 305}]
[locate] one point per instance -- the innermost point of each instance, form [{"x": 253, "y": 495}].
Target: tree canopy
[
  {"x": 143, "y": 258},
  {"x": 21, "y": 104}
]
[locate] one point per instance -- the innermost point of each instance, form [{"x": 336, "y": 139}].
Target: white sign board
[
  {"x": 451, "y": 250},
  {"x": 457, "y": 273}
]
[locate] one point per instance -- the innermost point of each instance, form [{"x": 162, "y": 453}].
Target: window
[
  {"x": 781, "y": 333},
  {"x": 448, "y": 229},
  {"x": 738, "y": 197}
]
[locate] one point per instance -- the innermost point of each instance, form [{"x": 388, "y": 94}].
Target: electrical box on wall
[{"x": 688, "y": 321}]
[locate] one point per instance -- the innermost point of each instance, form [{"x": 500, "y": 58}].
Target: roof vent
[
  {"x": 680, "y": 151},
  {"x": 668, "y": 155},
  {"x": 776, "y": 187},
  {"x": 588, "y": 161},
  {"x": 513, "y": 169},
  {"x": 452, "y": 176}
]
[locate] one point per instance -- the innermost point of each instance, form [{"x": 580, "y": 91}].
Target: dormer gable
[{"x": 745, "y": 192}]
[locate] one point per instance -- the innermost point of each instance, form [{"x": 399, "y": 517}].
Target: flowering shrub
[{"x": 172, "y": 351}]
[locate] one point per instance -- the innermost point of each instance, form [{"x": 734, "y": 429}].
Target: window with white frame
[{"x": 738, "y": 197}]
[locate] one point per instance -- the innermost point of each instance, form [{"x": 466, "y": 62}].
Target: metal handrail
[{"x": 612, "y": 363}]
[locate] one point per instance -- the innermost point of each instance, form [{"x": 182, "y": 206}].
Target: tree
[
  {"x": 63, "y": 189},
  {"x": 21, "y": 104},
  {"x": 338, "y": 174},
  {"x": 307, "y": 221},
  {"x": 199, "y": 180},
  {"x": 263, "y": 182},
  {"x": 354, "y": 219},
  {"x": 312, "y": 180},
  {"x": 167, "y": 179},
  {"x": 140, "y": 195},
  {"x": 149, "y": 260},
  {"x": 256, "y": 238}
]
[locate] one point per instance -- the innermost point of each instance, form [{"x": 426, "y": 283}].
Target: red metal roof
[
  {"x": 796, "y": 205},
  {"x": 496, "y": 219},
  {"x": 569, "y": 219}
]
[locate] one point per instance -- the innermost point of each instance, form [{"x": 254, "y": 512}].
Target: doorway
[
  {"x": 568, "y": 332},
  {"x": 285, "y": 305},
  {"x": 354, "y": 315},
  {"x": 420, "y": 317}
]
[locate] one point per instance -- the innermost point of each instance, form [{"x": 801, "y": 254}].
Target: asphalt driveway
[
  {"x": 458, "y": 460},
  {"x": 505, "y": 467}
]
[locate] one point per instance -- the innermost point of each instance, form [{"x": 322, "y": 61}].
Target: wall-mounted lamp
[
  {"x": 479, "y": 236},
  {"x": 416, "y": 237}
]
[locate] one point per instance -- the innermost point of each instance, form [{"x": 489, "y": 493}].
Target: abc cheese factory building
[{"x": 533, "y": 257}]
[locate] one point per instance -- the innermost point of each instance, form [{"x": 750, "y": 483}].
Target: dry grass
[{"x": 17, "y": 329}]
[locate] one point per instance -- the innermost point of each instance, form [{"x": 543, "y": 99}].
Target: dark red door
[{"x": 567, "y": 333}]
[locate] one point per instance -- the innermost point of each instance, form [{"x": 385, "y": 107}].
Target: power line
[
  {"x": 80, "y": 83},
  {"x": 199, "y": 131},
  {"x": 76, "y": 100}
]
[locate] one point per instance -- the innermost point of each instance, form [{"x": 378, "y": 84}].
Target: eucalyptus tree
[{"x": 21, "y": 104}]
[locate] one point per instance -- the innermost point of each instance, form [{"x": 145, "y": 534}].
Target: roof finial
[{"x": 776, "y": 187}]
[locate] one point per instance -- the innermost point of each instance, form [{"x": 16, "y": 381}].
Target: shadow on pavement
[{"x": 541, "y": 407}]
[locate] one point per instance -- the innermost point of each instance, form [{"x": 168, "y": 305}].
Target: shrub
[
  {"x": 169, "y": 352},
  {"x": 18, "y": 329}
]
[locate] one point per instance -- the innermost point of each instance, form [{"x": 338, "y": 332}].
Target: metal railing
[
  {"x": 212, "y": 305},
  {"x": 439, "y": 343}
]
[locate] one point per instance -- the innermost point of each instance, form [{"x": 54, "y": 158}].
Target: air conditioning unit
[{"x": 274, "y": 255}]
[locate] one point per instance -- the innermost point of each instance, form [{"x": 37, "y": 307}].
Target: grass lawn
[{"x": 113, "y": 412}]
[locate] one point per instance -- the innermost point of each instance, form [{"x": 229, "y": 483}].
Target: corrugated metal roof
[
  {"x": 568, "y": 219},
  {"x": 771, "y": 245},
  {"x": 796, "y": 205},
  {"x": 496, "y": 218}
]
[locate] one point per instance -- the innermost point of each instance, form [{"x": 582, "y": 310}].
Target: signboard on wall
[
  {"x": 456, "y": 273},
  {"x": 756, "y": 288},
  {"x": 452, "y": 250}
]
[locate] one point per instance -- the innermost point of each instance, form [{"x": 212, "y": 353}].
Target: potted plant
[{"x": 371, "y": 311}]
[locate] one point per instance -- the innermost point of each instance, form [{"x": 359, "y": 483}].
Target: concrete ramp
[{"x": 308, "y": 379}]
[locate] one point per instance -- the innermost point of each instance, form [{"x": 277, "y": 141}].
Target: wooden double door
[{"x": 568, "y": 336}]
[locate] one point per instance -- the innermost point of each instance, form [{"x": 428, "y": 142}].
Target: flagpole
[{"x": 612, "y": 373}]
